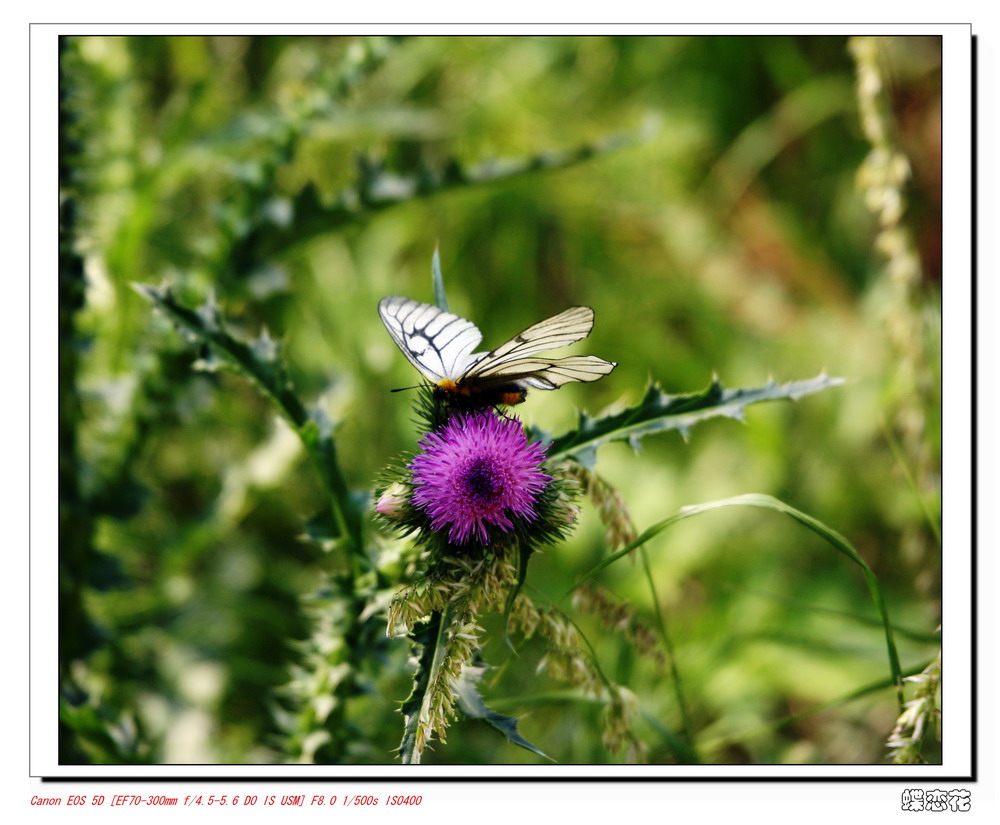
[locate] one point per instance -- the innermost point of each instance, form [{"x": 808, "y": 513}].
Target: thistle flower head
[{"x": 478, "y": 470}]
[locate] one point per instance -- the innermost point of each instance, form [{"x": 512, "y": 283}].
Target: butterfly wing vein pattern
[{"x": 440, "y": 345}]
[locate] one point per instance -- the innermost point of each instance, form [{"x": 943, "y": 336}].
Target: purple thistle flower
[{"x": 479, "y": 469}]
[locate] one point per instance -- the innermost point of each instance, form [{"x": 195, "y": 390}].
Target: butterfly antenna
[{"x": 403, "y": 389}]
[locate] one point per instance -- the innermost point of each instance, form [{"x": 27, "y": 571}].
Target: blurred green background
[{"x": 707, "y": 196}]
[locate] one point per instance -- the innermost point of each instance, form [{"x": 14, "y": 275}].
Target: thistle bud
[{"x": 392, "y": 502}]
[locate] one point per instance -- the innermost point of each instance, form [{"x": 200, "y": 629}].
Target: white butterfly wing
[
  {"x": 438, "y": 343},
  {"x": 552, "y": 373},
  {"x": 516, "y": 360},
  {"x": 560, "y": 330}
]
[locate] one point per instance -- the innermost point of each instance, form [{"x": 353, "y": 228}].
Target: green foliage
[
  {"x": 440, "y": 299},
  {"x": 837, "y": 541},
  {"x": 288, "y": 223},
  {"x": 473, "y": 706},
  {"x": 260, "y": 363},
  {"x": 430, "y": 639},
  {"x": 658, "y": 412},
  {"x": 223, "y": 591}
]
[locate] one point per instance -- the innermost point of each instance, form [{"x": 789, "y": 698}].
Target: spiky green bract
[
  {"x": 432, "y": 412},
  {"x": 658, "y": 411}
]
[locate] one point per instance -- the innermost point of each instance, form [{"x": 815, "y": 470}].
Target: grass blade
[{"x": 832, "y": 537}]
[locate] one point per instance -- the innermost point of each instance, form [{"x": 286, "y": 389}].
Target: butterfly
[{"x": 440, "y": 345}]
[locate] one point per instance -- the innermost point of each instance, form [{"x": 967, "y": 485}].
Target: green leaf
[
  {"x": 260, "y": 363},
  {"x": 375, "y": 188},
  {"x": 205, "y": 325},
  {"x": 659, "y": 412},
  {"x": 103, "y": 739},
  {"x": 417, "y": 708},
  {"x": 473, "y": 706},
  {"x": 439, "y": 297},
  {"x": 322, "y": 530}
]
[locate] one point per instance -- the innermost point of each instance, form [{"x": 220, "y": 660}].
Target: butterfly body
[
  {"x": 440, "y": 345},
  {"x": 480, "y": 394}
]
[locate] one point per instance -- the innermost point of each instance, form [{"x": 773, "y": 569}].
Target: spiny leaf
[
  {"x": 659, "y": 411},
  {"x": 432, "y": 641},
  {"x": 260, "y": 363},
  {"x": 473, "y": 706},
  {"x": 205, "y": 325},
  {"x": 375, "y": 188}
]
